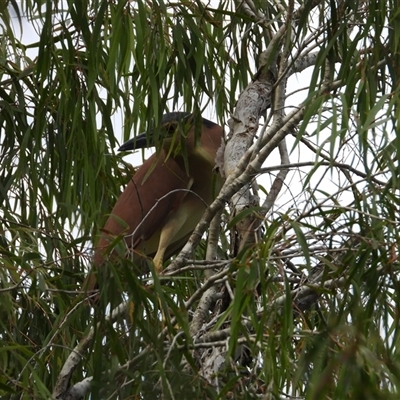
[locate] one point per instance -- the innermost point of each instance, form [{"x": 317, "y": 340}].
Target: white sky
[{"x": 294, "y": 181}]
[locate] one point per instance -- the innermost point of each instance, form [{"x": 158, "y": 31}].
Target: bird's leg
[
  {"x": 172, "y": 226},
  {"x": 167, "y": 234}
]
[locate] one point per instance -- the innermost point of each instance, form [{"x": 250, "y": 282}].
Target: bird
[{"x": 167, "y": 195}]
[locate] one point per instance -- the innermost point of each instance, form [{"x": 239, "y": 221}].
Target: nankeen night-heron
[{"x": 168, "y": 194}]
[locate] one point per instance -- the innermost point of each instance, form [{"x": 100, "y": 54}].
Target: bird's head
[{"x": 172, "y": 130}]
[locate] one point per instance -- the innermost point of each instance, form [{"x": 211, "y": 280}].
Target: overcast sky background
[{"x": 293, "y": 184}]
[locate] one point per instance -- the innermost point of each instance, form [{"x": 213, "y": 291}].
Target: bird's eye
[{"x": 171, "y": 128}]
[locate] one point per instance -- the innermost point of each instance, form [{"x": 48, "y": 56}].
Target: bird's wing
[{"x": 146, "y": 202}]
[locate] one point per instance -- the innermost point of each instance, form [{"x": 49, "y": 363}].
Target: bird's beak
[{"x": 138, "y": 142}]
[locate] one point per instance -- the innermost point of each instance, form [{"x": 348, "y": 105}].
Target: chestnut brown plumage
[{"x": 168, "y": 194}]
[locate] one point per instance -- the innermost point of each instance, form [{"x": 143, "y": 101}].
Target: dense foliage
[{"x": 304, "y": 306}]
